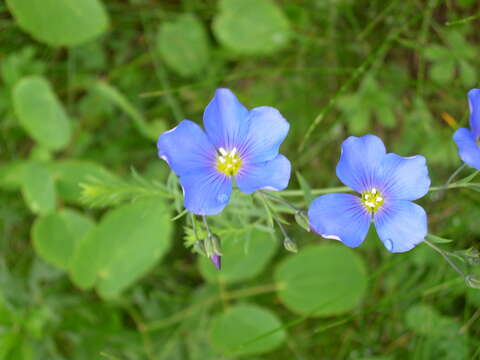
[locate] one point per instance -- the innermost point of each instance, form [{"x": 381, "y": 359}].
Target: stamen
[
  {"x": 372, "y": 200},
  {"x": 223, "y": 151},
  {"x": 228, "y": 162}
]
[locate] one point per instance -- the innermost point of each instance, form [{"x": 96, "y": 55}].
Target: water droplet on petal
[
  {"x": 222, "y": 198},
  {"x": 389, "y": 244}
]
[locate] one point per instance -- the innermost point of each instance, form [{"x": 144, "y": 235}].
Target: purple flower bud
[{"x": 217, "y": 261}]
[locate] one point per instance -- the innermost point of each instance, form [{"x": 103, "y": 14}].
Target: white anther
[
  {"x": 378, "y": 199},
  {"x": 369, "y": 204},
  {"x": 367, "y": 196},
  {"x": 229, "y": 165},
  {"x": 223, "y": 151},
  {"x": 221, "y": 159},
  {"x": 234, "y": 160},
  {"x": 374, "y": 191},
  {"x": 232, "y": 153}
]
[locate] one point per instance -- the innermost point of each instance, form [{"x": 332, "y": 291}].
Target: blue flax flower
[
  {"x": 238, "y": 144},
  {"x": 387, "y": 184},
  {"x": 468, "y": 141}
]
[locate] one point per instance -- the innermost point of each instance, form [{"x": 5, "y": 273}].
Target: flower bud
[
  {"x": 302, "y": 220},
  {"x": 290, "y": 245},
  {"x": 472, "y": 281},
  {"x": 217, "y": 261}
]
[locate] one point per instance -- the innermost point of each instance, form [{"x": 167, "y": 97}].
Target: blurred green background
[{"x": 86, "y": 88}]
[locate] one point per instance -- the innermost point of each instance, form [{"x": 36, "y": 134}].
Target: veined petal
[
  {"x": 359, "y": 161},
  {"x": 340, "y": 217},
  {"x": 206, "y": 191},
  {"x": 404, "y": 178},
  {"x": 474, "y": 103},
  {"x": 401, "y": 225},
  {"x": 186, "y": 148},
  {"x": 468, "y": 149},
  {"x": 267, "y": 129},
  {"x": 270, "y": 175},
  {"x": 225, "y": 120}
]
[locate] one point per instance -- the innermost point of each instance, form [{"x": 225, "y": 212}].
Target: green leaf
[
  {"x": 40, "y": 113},
  {"x": 437, "y": 52},
  {"x": 251, "y": 26},
  {"x": 57, "y": 23},
  {"x": 443, "y": 71},
  {"x": 307, "y": 190},
  {"x": 150, "y": 131},
  {"x": 55, "y": 236},
  {"x": 126, "y": 244},
  {"x": 245, "y": 330},
  {"x": 322, "y": 280},
  {"x": 11, "y": 174},
  {"x": 69, "y": 174},
  {"x": 238, "y": 263},
  {"x": 426, "y": 321},
  {"x": 183, "y": 44},
  {"x": 38, "y": 188},
  {"x": 468, "y": 74}
]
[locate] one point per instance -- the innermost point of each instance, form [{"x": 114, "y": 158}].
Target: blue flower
[
  {"x": 238, "y": 144},
  {"x": 387, "y": 184},
  {"x": 468, "y": 141}
]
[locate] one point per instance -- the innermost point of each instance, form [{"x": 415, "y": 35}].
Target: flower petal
[
  {"x": 206, "y": 191},
  {"x": 474, "y": 103},
  {"x": 186, "y": 148},
  {"x": 267, "y": 129},
  {"x": 225, "y": 120},
  {"x": 403, "y": 178},
  {"x": 468, "y": 149},
  {"x": 340, "y": 217},
  {"x": 270, "y": 175},
  {"x": 401, "y": 225},
  {"x": 359, "y": 160}
]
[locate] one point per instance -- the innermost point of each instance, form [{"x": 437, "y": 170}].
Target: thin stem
[
  {"x": 455, "y": 173},
  {"x": 445, "y": 256},
  {"x": 342, "y": 189},
  {"x": 280, "y": 201},
  {"x": 204, "y": 218}
]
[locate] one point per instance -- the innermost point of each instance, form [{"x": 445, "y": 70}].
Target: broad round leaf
[
  {"x": 251, "y": 26},
  {"x": 125, "y": 245},
  {"x": 38, "y": 188},
  {"x": 183, "y": 44},
  {"x": 60, "y": 22},
  {"x": 40, "y": 113},
  {"x": 322, "y": 280},
  {"x": 243, "y": 258},
  {"x": 56, "y": 235},
  {"x": 246, "y": 330}
]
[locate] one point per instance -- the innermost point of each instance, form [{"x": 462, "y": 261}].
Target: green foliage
[
  {"x": 244, "y": 257},
  {"x": 126, "y": 244},
  {"x": 322, "y": 280},
  {"x": 251, "y": 26},
  {"x": 40, "y": 112},
  {"x": 57, "y": 23},
  {"x": 56, "y": 235},
  {"x": 38, "y": 188},
  {"x": 183, "y": 44},
  {"x": 246, "y": 329}
]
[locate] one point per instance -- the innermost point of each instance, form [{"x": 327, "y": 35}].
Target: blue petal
[
  {"x": 340, "y": 217},
  {"x": 468, "y": 149},
  {"x": 186, "y": 148},
  {"x": 401, "y": 225},
  {"x": 359, "y": 161},
  {"x": 225, "y": 120},
  {"x": 269, "y": 175},
  {"x": 404, "y": 178},
  {"x": 266, "y": 131},
  {"x": 206, "y": 191},
  {"x": 474, "y": 103}
]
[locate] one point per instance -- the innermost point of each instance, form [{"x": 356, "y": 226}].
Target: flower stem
[{"x": 445, "y": 256}]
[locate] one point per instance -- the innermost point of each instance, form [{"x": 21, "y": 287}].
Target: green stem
[
  {"x": 445, "y": 256},
  {"x": 341, "y": 189}
]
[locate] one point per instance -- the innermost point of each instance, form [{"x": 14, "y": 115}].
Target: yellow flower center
[
  {"x": 228, "y": 162},
  {"x": 372, "y": 200}
]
